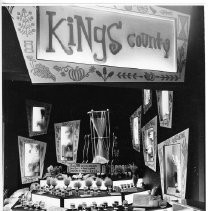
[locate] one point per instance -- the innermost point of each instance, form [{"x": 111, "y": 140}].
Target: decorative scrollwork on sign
[
  {"x": 28, "y": 44},
  {"x": 168, "y": 77},
  {"x": 10, "y": 9},
  {"x": 153, "y": 10},
  {"x": 181, "y": 58},
  {"x": 143, "y": 9},
  {"x": 183, "y": 27},
  {"x": 26, "y": 26},
  {"x": 105, "y": 75},
  {"x": 75, "y": 74},
  {"x": 149, "y": 76},
  {"x": 166, "y": 13},
  {"x": 40, "y": 70},
  {"x": 128, "y": 7},
  {"x": 125, "y": 75}
]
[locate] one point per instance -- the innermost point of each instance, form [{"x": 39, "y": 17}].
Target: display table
[
  {"x": 60, "y": 183},
  {"x": 120, "y": 208},
  {"x": 65, "y": 202},
  {"x": 52, "y": 200}
]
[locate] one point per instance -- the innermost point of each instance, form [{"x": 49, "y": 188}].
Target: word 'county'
[{"x": 147, "y": 41}]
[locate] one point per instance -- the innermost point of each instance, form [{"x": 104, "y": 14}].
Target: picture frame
[
  {"x": 173, "y": 157},
  {"x": 149, "y": 141},
  {"x": 147, "y": 99},
  {"x": 165, "y": 107},
  {"x": 135, "y": 125},
  {"x": 31, "y": 157},
  {"x": 38, "y": 116},
  {"x": 67, "y": 141}
]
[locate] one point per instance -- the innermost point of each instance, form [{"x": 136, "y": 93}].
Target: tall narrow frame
[
  {"x": 144, "y": 95},
  {"x": 150, "y": 147},
  {"x": 181, "y": 140},
  {"x": 76, "y": 127},
  {"x": 22, "y": 142},
  {"x": 136, "y": 115},
  {"x": 165, "y": 121},
  {"x": 30, "y": 104}
]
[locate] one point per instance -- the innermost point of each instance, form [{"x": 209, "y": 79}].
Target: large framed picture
[
  {"x": 66, "y": 141},
  {"x": 149, "y": 140},
  {"x": 165, "y": 107},
  {"x": 173, "y": 156},
  {"x": 38, "y": 115},
  {"x": 31, "y": 155},
  {"x": 147, "y": 99},
  {"x": 135, "y": 124}
]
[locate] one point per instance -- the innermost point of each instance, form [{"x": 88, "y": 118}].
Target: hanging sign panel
[
  {"x": 102, "y": 43},
  {"x": 90, "y": 36}
]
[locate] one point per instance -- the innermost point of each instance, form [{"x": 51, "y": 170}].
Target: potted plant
[
  {"x": 135, "y": 179},
  {"x": 67, "y": 181},
  {"x": 119, "y": 171},
  {"x": 108, "y": 183},
  {"x": 48, "y": 181},
  {"x": 77, "y": 186},
  {"x": 53, "y": 183},
  {"x": 89, "y": 182},
  {"x": 98, "y": 184}
]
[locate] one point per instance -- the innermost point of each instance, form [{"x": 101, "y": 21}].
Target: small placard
[{"x": 84, "y": 168}]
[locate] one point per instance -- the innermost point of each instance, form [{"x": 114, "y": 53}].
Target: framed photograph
[
  {"x": 135, "y": 124},
  {"x": 165, "y": 106},
  {"x": 173, "y": 155},
  {"x": 149, "y": 140},
  {"x": 147, "y": 99},
  {"x": 31, "y": 155},
  {"x": 66, "y": 141},
  {"x": 38, "y": 115}
]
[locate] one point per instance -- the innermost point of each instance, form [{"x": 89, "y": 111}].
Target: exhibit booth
[{"x": 103, "y": 107}]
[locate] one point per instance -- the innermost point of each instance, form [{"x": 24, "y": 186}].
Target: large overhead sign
[
  {"x": 102, "y": 43},
  {"x": 90, "y": 36}
]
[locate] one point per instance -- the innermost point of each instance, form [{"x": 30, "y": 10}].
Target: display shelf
[
  {"x": 60, "y": 183},
  {"x": 60, "y": 201},
  {"x": 129, "y": 196},
  {"x": 110, "y": 208}
]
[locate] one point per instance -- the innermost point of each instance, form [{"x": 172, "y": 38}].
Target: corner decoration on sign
[
  {"x": 40, "y": 70},
  {"x": 103, "y": 43},
  {"x": 26, "y": 26}
]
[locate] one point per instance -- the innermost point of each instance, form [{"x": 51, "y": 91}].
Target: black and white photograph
[
  {"x": 32, "y": 159},
  {"x": 66, "y": 143},
  {"x": 149, "y": 144},
  {"x": 39, "y": 122},
  {"x": 147, "y": 99},
  {"x": 38, "y": 116},
  {"x": 172, "y": 165},
  {"x": 104, "y": 106},
  {"x": 136, "y": 130}
]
